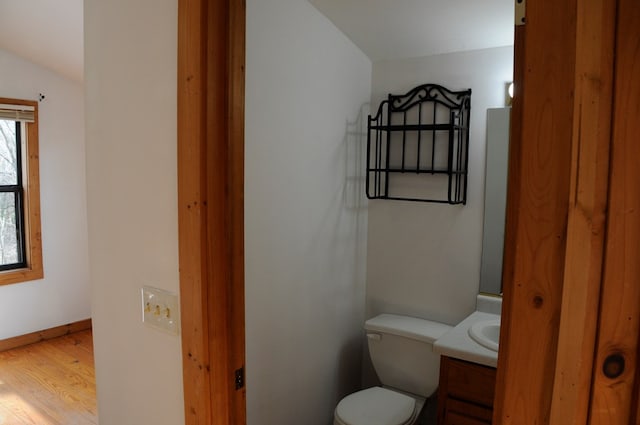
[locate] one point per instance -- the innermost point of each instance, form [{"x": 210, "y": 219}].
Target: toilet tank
[{"x": 401, "y": 350}]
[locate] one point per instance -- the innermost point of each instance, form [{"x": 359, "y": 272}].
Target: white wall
[
  {"x": 63, "y": 296},
  {"x": 130, "y": 75},
  {"x": 423, "y": 259},
  {"x": 305, "y": 223}
]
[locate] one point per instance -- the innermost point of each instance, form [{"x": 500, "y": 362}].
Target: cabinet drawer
[
  {"x": 462, "y": 413},
  {"x": 455, "y": 419},
  {"x": 468, "y": 381}
]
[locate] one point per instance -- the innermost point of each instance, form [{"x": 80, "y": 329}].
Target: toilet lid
[{"x": 376, "y": 406}]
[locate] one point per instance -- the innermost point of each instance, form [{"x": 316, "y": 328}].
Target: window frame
[{"x": 32, "y": 233}]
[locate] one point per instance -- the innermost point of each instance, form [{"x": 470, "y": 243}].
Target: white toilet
[{"x": 401, "y": 350}]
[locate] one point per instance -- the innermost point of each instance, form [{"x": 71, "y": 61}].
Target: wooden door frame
[
  {"x": 556, "y": 212},
  {"x": 211, "y": 44},
  {"x": 555, "y": 219}
]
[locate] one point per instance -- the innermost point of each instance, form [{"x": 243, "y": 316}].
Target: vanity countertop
[{"x": 458, "y": 344}]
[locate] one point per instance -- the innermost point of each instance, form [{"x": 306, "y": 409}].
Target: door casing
[
  {"x": 210, "y": 208},
  {"x": 562, "y": 207}
]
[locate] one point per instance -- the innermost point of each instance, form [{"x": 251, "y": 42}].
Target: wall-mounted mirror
[{"x": 495, "y": 199}]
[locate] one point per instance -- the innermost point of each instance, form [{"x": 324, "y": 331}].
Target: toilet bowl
[
  {"x": 378, "y": 406},
  {"x": 401, "y": 352}
]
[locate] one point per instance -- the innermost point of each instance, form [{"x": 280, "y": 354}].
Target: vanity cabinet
[{"x": 465, "y": 394}]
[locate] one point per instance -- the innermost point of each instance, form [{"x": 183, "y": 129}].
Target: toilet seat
[{"x": 376, "y": 406}]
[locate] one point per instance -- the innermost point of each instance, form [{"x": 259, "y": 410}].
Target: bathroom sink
[{"x": 486, "y": 333}]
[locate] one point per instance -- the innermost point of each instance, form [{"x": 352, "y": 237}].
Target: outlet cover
[{"x": 161, "y": 310}]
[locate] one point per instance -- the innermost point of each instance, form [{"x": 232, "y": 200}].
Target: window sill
[{"x": 9, "y": 277}]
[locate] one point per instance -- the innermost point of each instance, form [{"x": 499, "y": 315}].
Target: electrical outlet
[{"x": 160, "y": 309}]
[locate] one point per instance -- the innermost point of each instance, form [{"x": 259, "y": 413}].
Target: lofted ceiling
[
  {"x": 50, "y": 32},
  {"x": 399, "y": 29}
]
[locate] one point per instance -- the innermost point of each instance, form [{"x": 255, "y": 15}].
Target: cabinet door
[
  {"x": 469, "y": 382},
  {"x": 466, "y": 391}
]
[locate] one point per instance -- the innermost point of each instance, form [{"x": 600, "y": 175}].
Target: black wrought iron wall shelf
[{"x": 418, "y": 146}]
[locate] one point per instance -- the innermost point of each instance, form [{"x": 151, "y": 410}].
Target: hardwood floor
[{"x": 49, "y": 383}]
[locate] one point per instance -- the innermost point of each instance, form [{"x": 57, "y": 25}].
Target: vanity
[{"x": 469, "y": 356}]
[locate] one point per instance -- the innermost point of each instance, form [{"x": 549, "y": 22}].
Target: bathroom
[
  {"x": 319, "y": 258},
  {"x": 341, "y": 259}
]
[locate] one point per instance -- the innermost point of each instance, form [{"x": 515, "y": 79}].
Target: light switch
[{"x": 160, "y": 309}]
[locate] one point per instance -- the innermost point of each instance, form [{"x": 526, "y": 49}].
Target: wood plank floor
[{"x": 49, "y": 383}]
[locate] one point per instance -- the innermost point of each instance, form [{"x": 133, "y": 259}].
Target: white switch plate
[{"x": 160, "y": 309}]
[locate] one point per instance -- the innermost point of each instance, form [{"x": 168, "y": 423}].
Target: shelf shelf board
[{"x": 417, "y": 127}]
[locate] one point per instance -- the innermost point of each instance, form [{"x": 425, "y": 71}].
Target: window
[{"x": 20, "y": 238}]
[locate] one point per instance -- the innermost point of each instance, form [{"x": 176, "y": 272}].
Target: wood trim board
[
  {"x": 43, "y": 335},
  {"x": 592, "y": 106},
  {"x": 211, "y": 44},
  {"x": 536, "y": 236},
  {"x": 615, "y": 374}
]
